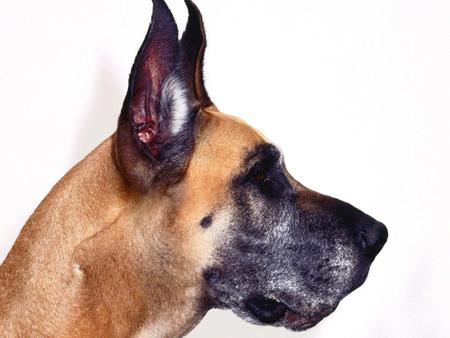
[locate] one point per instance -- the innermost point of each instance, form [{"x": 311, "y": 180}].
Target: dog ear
[
  {"x": 155, "y": 131},
  {"x": 193, "y": 46}
]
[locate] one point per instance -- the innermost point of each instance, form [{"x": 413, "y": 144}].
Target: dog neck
[{"x": 94, "y": 261}]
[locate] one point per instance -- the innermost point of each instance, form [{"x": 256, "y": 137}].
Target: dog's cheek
[{"x": 201, "y": 242}]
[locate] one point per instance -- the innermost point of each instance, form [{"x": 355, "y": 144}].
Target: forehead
[{"x": 223, "y": 144}]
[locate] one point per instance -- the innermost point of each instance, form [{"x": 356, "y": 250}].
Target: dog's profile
[{"x": 181, "y": 210}]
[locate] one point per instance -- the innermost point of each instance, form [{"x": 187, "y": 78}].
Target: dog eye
[
  {"x": 261, "y": 177},
  {"x": 261, "y": 174}
]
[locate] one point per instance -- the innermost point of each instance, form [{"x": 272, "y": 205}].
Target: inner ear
[{"x": 156, "y": 123}]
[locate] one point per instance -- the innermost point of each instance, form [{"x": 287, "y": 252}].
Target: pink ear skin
[
  {"x": 143, "y": 123},
  {"x": 155, "y": 136},
  {"x": 157, "y": 59}
]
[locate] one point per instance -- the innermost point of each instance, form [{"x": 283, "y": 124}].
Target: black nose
[{"x": 371, "y": 238}]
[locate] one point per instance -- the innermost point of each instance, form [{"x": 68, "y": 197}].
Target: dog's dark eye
[
  {"x": 265, "y": 182},
  {"x": 262, "y": 177},
  {"x": 260, "y": 173},
  {"x": 269, "y": 179}
]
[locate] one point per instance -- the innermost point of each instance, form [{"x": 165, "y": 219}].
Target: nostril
[{"x": 372, "y": 239}]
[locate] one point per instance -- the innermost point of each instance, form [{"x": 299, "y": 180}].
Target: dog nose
[{"x": 371, "y": 238}]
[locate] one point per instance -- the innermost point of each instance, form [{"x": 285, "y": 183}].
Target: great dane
[{"x": 181, "y": 210}]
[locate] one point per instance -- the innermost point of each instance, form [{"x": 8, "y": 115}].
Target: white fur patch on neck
[{"x": 175, "y": 98}]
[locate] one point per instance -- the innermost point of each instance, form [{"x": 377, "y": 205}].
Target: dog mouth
[{"x": 274, "y": 312}]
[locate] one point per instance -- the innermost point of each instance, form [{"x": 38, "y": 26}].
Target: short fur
[{"x": 183, "y": 209}]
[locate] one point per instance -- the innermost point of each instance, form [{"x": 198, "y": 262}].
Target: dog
[{"x": 183, "y": 209}]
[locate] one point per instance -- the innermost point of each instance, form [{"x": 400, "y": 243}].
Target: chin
[{"x": 265, "y": 311}]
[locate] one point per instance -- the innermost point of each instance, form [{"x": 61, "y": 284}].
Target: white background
[{"x": 356, "y": 93}]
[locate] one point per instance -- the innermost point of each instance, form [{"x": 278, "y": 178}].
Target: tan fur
[{"x": 98, "y": 259}]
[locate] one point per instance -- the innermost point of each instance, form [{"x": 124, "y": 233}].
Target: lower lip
[{"x": 296, "y": 322}]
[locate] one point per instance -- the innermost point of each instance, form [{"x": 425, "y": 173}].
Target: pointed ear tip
[
  {"x": 191, "y": 5},
  {"x": 161, "y": 5},
  {"x": 162, "y": 14}
]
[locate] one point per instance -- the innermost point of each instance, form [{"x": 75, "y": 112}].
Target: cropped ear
[
  {"x": 155, "y": 131},
  {"x": 193, "y": 46}
]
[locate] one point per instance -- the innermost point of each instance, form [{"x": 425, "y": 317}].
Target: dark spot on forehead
[{"x": 206, "y": 222}]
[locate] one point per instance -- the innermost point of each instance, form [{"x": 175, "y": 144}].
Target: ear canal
[
  {"x": 193, "y": 46},
  {"x": 156, "y": 122}
]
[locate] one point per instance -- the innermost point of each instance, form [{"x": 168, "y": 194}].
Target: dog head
[{"x": 264, "y": 246}]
